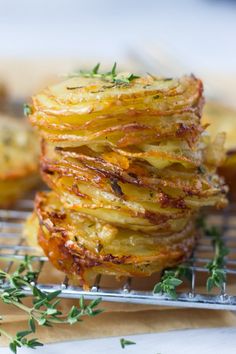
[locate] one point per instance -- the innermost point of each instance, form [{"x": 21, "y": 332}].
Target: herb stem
[
  {"x": 44, "y": 309},
  {"x": 37, "y": 314},
  {"x": 110, "y": 76},
  {"x": 21, "y": 306},
  {"x": 6, "y": 334},
  {"x": 216, "y": 266}
]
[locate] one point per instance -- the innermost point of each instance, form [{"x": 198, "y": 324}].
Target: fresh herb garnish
[
  {"x": 201, "y": 169},
  {"x": 99, "y": 247},
  {"x": 152, "y": 76},
  {"x": 124, "y": 342},
  {"x": 110, "y": 76},
  {"x": 44, "y": 308},
  {"x": 74, "y": 87},
  {"x": 216, "y": 265},
  {"x": 27, "y": 110},
  {"x": 171, "y": 279},
  {"x": 116, "y": 187}
]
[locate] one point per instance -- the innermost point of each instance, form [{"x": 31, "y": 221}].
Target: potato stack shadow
[{"x": 129, "y": 165}]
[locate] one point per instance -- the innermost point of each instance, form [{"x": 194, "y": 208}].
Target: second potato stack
[{"x": 130, "y": 166}]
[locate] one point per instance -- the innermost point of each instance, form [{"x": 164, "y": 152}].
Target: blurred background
[{"x": 41, "y": 38}]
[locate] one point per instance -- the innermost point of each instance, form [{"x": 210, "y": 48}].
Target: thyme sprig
[
  {"x": 173, "y": 278},
  {"x": 110, "y": 76},
  {"x": 44, "y": 309},
  {"x": 216, "y": 266}
]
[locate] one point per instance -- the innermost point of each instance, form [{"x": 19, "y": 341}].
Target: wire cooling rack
[{"x": 191, "y": 294}]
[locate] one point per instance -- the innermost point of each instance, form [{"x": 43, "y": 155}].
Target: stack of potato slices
[{"x": 130, "y": 166}]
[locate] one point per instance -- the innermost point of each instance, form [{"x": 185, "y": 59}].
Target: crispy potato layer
[
  {"x": 83, "y": 247},
  {"x": 130, "y": 166}
]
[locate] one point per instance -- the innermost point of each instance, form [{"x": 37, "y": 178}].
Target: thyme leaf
[
  {"x": 111, "y": 76},
  {"x": 124, "y": 342},
  {"x": 171, "y": 279},
  {"x": 27, "y": 109}
]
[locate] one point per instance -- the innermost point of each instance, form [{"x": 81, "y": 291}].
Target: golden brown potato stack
[{"x": 130, "y": 166}]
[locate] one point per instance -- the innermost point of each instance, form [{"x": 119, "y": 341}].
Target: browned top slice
[{"x": 84, "y": 95}]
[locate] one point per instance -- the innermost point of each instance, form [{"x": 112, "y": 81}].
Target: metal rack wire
[{"x": 193, "y": 294}]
